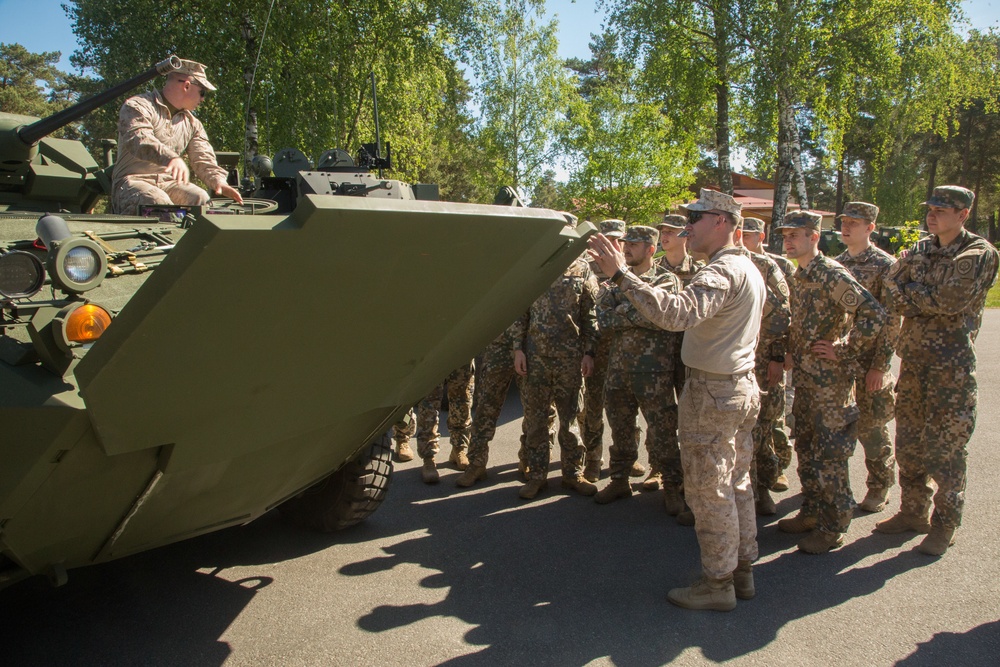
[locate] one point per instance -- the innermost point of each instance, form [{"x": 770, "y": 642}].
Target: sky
[{"x": 42, "y": 25}]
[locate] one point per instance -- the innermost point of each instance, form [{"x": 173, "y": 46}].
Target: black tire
[{"x": 346, "y": 497}]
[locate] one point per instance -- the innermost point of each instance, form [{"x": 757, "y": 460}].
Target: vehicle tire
[{"x": 346, "y": 497}]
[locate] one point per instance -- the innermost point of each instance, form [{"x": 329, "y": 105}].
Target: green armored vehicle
[{"x": 160, "y": 380}]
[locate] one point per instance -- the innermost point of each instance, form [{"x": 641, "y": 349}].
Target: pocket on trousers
[{"x": 727, "y": 396}]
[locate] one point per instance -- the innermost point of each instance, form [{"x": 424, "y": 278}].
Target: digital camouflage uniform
[
  {"x": 459, "y": 384},
  {"x": 554, "y": 335},
  {"x": 685, "y": 271},
  {"x": 641, "y": 377},
  {"x": 876, "y": 408},
  {"x": 940, "y": 293},
  {"x": 828, "y": 304},
  {"x": 782, "y": 446}
]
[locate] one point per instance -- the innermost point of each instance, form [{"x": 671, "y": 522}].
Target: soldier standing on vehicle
[
  {"x": 835, "y": 322},
  {"x": 719, "y": 311},
  {"x": 640, "y": 377},
  {"x": 553, "y": 350},
  {"x": 939, "y": 288},
  {"x": 874, "y": 389},
  {"x": 459, "y": 386},
  {"x": 155, "y": 131}
]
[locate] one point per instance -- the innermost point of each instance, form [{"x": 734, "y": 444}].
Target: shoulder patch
[{"x": 847, "y": 295}]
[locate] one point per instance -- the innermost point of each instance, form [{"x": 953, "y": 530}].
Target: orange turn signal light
[{"x": 86, "y": 323}]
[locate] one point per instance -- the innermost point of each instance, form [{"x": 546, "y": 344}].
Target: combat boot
[
  {"x": 743, "y": 580},
  {"x": 459, "y": 457},
  {"x": 819, "y": 542},
  {"x": 403, "y": 452},
  {"x": 706, "y": 593},
  {"x": 533, "y": 488},
  {"x": 673, "y": 501},
  {"x": 618, "y": 487},
  {"x": 765, "y": 504},
  {"x": 652, "y": 482},
  {"x": 874, "y": 500},
  {"x": 429, "y": 472},
  {"x": 780, "y": 484},
  {"x": 638, "y": 470},
  {"x": 580, "y": 485},
  {"x": 902, "y": 523},
  {"x": 592, "y": 472},
  {"x": 472, "y": 474},
  {"x": 799, "y": 523},
  {"x": 686, "y": 518},
  {"x": 937, "y": 541}
]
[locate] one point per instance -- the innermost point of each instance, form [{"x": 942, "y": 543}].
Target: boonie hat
[
  {"x": 860, "y": 210},
  {"x": 642, "y": 234},
  {"x": 613, "y": 228},
  {"x": 951, "y": 195},
  {"x": 753, "y": 225},
  {"x": 673, "y": 221},
  {"x": 802, "y": 220},
  {"x": 197, "y": 73}
]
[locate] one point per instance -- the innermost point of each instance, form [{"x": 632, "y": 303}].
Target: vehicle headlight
[
  {"x": 81, "y": 264},
  {"x": 77, "y": 265},
  {"x": 21, "y": 274}
]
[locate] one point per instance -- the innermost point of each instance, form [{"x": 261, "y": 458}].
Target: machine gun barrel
[{"x": 31, "y": 134}]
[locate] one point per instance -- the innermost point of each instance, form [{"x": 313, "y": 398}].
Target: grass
[{"x": 993, "y": 297}]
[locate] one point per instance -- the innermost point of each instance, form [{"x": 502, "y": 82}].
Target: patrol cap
[
  {"x": 673, "y": 221},
  {"x": 753, "y": 225},
  {"x": 954, "y": 196},
  {"x": 196, "y": 71},
  {"x": 802, "y": 220},
  {"x": 713, "y": 200},
  {"x": 860, "y": 210},
  {"x": 642, "y": 234},
  {"x": 613, "y": 228}
]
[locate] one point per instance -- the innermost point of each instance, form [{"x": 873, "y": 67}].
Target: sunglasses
[
  {"x": 201, "y": 89},
  {"x": 695, "y": 216}
]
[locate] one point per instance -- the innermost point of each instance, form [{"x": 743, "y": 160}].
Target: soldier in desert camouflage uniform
[
  {"x": 874, "y": 389},
  {"x": 640, "y": 377},
  {"x": 719, "y": 311},
  {"x": 835, "y": 322},
  {"x": 459, "y": 384},
  {"x": 553, "y": 348},
  {"x": 940, "y": 289},
  {"x": 769, "y": 367}
]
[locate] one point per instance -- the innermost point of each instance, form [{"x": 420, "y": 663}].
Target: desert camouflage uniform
[
  {"x": 459, "y": 385},
  {"x": 641, "y": 376},
  {"x": 716, "y": 415},
  {"x": 828, "y": 304},
  {"x": 149, "y": 137},
  {"x": 771, "y": 344},
  {"x": 554, "y": 335},
  {"x": 940, "y": 293},
  {"x": 876, "y": 408}
]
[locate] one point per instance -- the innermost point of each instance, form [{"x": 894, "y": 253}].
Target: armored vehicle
[{"x": 161, "y": 380}]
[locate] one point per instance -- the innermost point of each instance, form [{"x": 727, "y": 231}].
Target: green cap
[
  {"x": 673, "y": 221},
  {"x": 954, "y": 196},
  {"x": 802, "y": 220},
  {"x": 860, "y": 210},
  {"x": 642, "y": 234},
  {"x": 753, "y": 225},
  {"x": 613, "y": 228}
]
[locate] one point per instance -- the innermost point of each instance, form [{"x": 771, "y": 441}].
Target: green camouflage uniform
[
  {"x": 459, "y": 385},
  {"x": 876, "y": 408},
  {"x": 779, "y": 437},
  {"x": 940, "y": 293},
  {"x": 641, "y": 377},
  {"x": 554, "y": 335},
  {"x": 828, "y": 304}
]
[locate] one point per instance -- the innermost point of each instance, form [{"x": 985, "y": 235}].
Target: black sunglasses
[
  {"x": 201, "y": 89},
  {"x": 695, "y": 216}
]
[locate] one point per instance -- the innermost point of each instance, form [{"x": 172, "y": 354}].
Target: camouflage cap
[
  {"x": 954, "y": 196},
  {"x": 753, "y": 225},
  {"x": 802, "y": 220},
  {"x": 641, "y": 234},
  {"x": 613, "y": 228},
  {"x": 860, "y": 210},
  {"x": 196, "y": 71},
  {"x": 673, "y": 221},
  {"x": 713, "y": 200}
]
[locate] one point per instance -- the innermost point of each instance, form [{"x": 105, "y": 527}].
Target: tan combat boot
[
  {"x": 780, "y": 484},
  {"x": 533, "y": 488},
  {"x": 874, "y": 500},
  {"x": 765, "y": 504},
  {"x": 902, "y": 523},
  {"x": 652, "y": 482},
  {"x": 743, "y": 580},
  {"x": 618, "y": 487},
  {"x": 580, "y": 485},
  {"x": 819, "y": 542},
  {"x": 673, "y": 501},
  {"x": 522, "y": 464},
  {"x": 592, "y": 472},
  {"x": 937, "y": 541},
  {"x": 459, "y": 457},
  {"x": 706, "y": 593},
  {"x": 686, "y": 518},
  {"x": 797, "y": 524},
  {"x": 429, "y": 472},
  {"x": 472, "y": 474},
  {"x": 638, "y": 470},
  {"x": 403, "y": 452}
]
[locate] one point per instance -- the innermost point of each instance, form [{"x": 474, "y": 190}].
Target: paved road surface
[{"x": 476, "y": 577}]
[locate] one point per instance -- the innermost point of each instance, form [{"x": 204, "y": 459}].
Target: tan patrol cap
[{"x": 197, "y": 73}]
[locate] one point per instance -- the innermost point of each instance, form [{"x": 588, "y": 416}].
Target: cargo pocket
[{"x": 728, "y": 397}]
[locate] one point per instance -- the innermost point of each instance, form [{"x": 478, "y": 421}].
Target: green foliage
[
  {"x": 906, "y": 235},
  {"x": 31, "y": 85}
]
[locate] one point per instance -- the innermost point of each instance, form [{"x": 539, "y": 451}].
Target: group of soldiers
[{"x": 588, "y": 347}]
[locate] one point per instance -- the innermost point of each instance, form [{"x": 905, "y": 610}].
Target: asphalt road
[{"x": 441, "y": 575}]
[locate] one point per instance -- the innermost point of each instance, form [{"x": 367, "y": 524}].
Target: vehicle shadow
[{"x": 978, "y": 646}]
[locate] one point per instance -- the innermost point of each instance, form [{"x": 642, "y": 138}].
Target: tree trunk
[
  {"x": 984, "y": 141},
  {"x": 932, "y": 172},
  {"x": 964, "y": 177},
  {"x": 251, "y": 143},
  {"x": 784, "y": 172},
  {"x": 839, "y": 206},
  {"x": 721, "y": 18},
  {"x": 796, "y": 150}
]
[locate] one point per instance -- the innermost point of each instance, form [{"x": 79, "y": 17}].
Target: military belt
[{"x": 705, "y": 375}]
